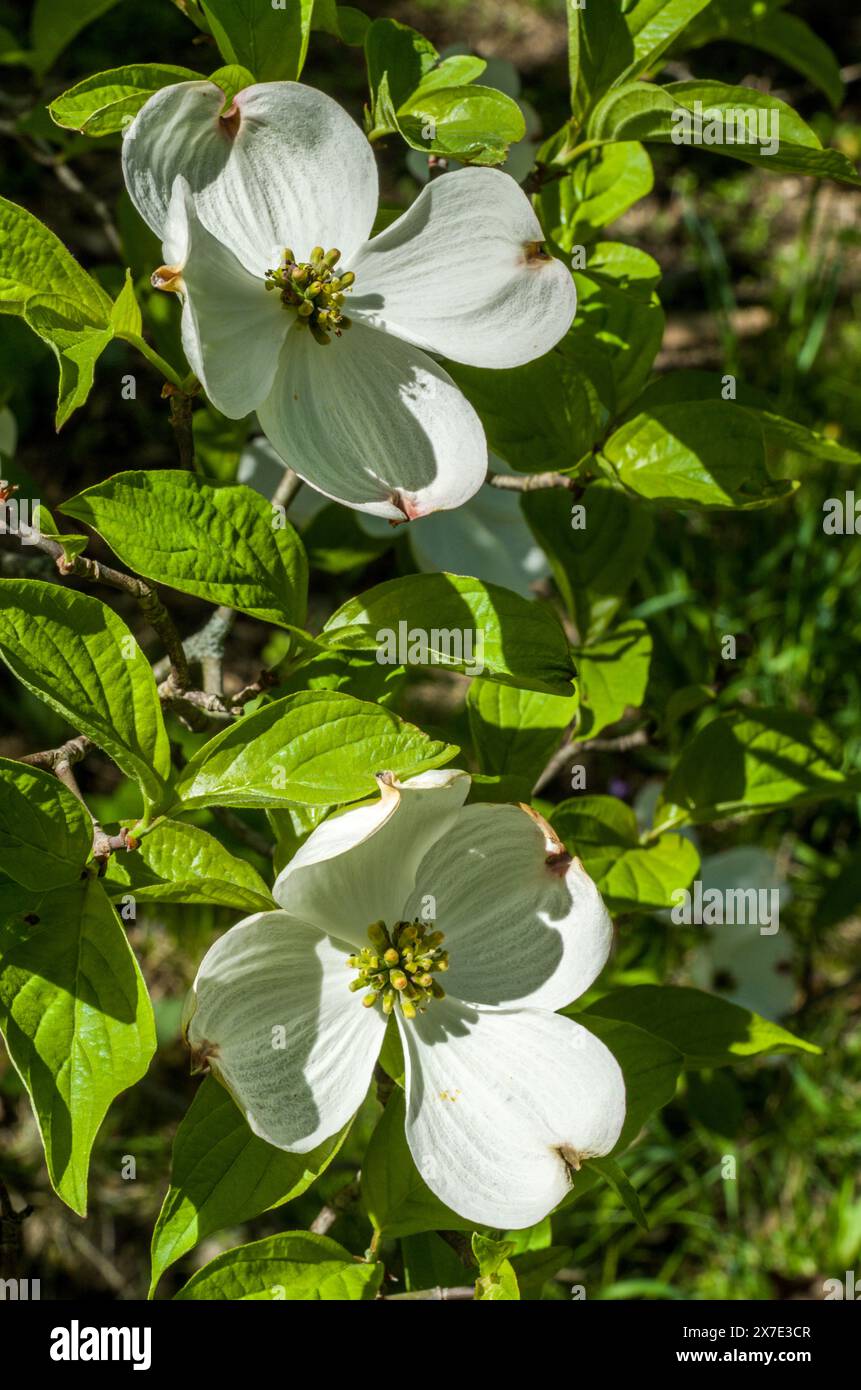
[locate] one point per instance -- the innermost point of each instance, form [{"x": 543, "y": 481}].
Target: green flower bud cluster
[
  {"x": 314, "y": 290},
  {"x": 399, "y": 966}
]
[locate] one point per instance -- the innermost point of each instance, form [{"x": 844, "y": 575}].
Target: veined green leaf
[
  {"x": 614, "y": 673},
  {"x": 312, "y": 749},
  {"x": 80, "y": 658},
  {"x": 708, "y": 1031},
  {"x": 75, "y": 1015},
  {"x": 696, "y": 454},
  {"x": 223, "y": 1175},
  {"x": 454, "y": 621},
  {"x": 46, "y": 834},
  {"x": 270, "y": 41},
  {"x": 178, "y": 862},
  {"x": 294, "y": 1266},
  {"x": 756, "y": 760},
  {"x": 515, "y": 731},
  {"x": 602, "y": 832},
  {"x": 106, "y": 102},
  {"x": 220, "y": 542}
]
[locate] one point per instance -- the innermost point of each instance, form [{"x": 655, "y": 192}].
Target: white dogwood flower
[
  {"x": 279, "y": 193},
  {"x": 504, "y": 1097}
]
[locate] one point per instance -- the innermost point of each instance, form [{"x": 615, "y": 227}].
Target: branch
[
  {"x": 286, "y": 489},
  {"x": 622, "y": 743},
  {"x": 82, "y": 567},
  {"x": 181, "y": 410},
  {"x": 531, "y": 482}
]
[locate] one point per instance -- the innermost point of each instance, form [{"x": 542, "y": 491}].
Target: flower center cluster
[
  {"x": 314, "y": 290},
  {"x": 399, "y": 966}
]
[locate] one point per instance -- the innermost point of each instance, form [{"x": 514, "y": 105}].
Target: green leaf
[
  {"x": 57, "y": 322},
  {"x": 496, "y": 1280},
  {"x": 232, "y": 79},
  {"x": 782, "y": 436},
  {"x": 614, "y": 673},
  {"x": 603, "y": 184},
  {"x": 55, "y": 23},
  {"x": 42, "y": 281},
  {"x": 643, "y": 111},
  {"x": 621, "y": 1185},
  {"x": 34, "y": 261},
  {"x": 271, "y": 41},
  {"x": 106, "y": 102},
  {"x": 294, "y": 1266},
  {"x": 544, "y": 415},
  {"x": 599, "y": 48},
  {"x": 76, "y": 1018},
  {"x": 125, "y": 314},
  {"x": 181, "y": 863},
  {"x": 709, "y": 1031},
  {"x": 429, "y": 101},
  {"x": 654, "y": 25},
  {"x": 430, "y": 1263},
  {"x": 396, "y": 1197},
  {"x": 454, "y": 621},
  {"x": 475, "y": 125},
  {"x": 593, "y": 564},
  {"x": 750, "y": 761},
  {"x": 602, "y": 832},
  {"x": 80, "y": 658},
  {"x": 696, "y": 454},
  {"x": 72, "y": 543},
  {"x": 515, "y": 731},
  {"x": 785, "y": 36},
  {"x": 651, "y": 1066},
  {"x": 619, "y": 324},
  {"x": 46, "y": 834},
  {"x": 343, "y": 22},
  {"x": 219, "y": 541},
  {"x": 312, "y": 749},
  {"x": 223, "y": 1175}
]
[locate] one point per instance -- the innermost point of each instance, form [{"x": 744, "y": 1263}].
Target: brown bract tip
[
  {"x": 201, "y": 1056},
  {"x": 406, "y": 506},
  {"x": 536, "y": 253},
  {"x": 229, "y": 120},
  {"x": 570, "y": 1157},
  {"x": 557, "y": 858},
  {"x": 168, "y": 278}
]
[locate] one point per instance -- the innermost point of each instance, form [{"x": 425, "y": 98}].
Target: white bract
[
  {"x": 504, "y": 1097},
  {"x": 280, "y": 192}
]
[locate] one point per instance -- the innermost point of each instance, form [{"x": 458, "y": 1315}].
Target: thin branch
[
  {"x": 328, "y": 1214},
  {"x": 531, "y": 482},
  {"x": 623, "y": 743},
  {"x": 82, "y": 567},
  {"x": 287, "y": 488},
  {"x": 181, "y": 410}
]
